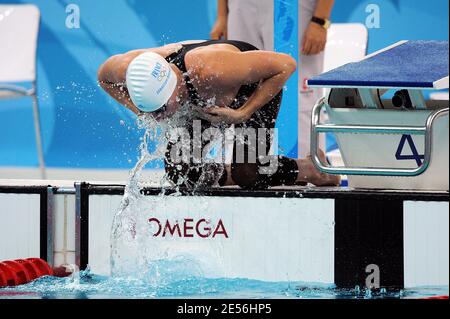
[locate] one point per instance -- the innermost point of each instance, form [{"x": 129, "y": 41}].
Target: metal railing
[{"x": 318, "y": 128}]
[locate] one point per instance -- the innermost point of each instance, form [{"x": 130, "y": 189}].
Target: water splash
[
  {"x": 125, "y": 256},
  {"x": 133, "y": 252}
]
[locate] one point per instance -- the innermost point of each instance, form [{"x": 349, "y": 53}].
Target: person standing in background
[
  {"x": 314, "y": 22},
  {"x": 253, "y": 21},
  {"x": 250, "y": 21}
]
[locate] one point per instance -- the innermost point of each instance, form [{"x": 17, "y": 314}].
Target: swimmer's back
[{"x": 178, "y": 58}]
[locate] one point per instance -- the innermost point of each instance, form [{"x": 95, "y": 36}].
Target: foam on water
[{"x": 88, "y": 286}]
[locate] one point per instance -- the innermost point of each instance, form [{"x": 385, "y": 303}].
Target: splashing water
[
  {"x": 125, "y": 256},
  {"x": 133, "y": 252}
]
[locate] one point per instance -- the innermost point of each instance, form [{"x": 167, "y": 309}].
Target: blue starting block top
[{"x": 410, "y": 64}]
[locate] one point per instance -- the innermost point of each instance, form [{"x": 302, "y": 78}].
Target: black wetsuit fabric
[{"x": 246, "y": 174}]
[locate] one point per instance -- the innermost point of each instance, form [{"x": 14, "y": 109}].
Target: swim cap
[{"x": 150, "y": 81}]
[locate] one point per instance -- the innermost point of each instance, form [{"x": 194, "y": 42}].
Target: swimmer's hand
[{"x": 223, "y": 115}]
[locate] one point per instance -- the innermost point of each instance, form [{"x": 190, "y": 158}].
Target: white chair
[
  {"x": 19, "y": 28},
  {"x": 347, "y": 42},
  {"x": 439, "y": 96}
]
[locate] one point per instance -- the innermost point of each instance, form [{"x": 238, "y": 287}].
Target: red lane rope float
[
  {"x": 2, "y": 279},
  {"x": 9, "y": 275},
  {"x": 22, "y": 276},
  {"x": 436, "y": 298},
  {"x": 22, "y": 271},
  {"x": 42, "y": 266},
  {"x": 33, "y": 270}
]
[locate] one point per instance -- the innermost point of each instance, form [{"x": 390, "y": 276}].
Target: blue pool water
[{"x": 89, "y": 286}]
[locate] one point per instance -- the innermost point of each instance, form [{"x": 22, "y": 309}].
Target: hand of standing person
[
  {"x": 315, "y": 37},
  {"x": 220, "y": 28},
  {"x": 314, "y": 40}
]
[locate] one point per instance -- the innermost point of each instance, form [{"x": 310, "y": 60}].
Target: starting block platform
[
  {"x": 406, "y": 64},
  {"x": 301, "y": 234},
  {"x": 390, "y": 135}
]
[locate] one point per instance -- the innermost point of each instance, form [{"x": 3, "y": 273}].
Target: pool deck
[{"x": 149, "y": 189}]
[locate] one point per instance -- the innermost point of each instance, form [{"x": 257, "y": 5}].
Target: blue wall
[
  {"x": 400, "y": 19},
  {"x": 84, "y": 128}
]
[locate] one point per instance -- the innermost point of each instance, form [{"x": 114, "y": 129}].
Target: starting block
[{"x": 399, "y": 142}]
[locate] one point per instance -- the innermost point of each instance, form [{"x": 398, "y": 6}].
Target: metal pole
[
  {"x": 37, "y": 128},
  {"x": 78, "y": 224},
  {"x": 427, "y": 131},
  {"x": 50, "y": 226}
]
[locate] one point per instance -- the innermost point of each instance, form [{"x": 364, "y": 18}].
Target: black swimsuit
[{"x": 246, "y": 174}]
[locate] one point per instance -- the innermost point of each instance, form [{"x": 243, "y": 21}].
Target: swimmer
[{"x": 246, "y": 86}]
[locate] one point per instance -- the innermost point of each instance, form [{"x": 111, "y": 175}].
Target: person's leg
[
  {"x": 251, "y": 174},
  {"x": 308, "y": 173},
  {"x": 266, "y": 24},
  {"x": 243, "y": 22},
  {"x": 250, "y": 171},
  {"x": 309, "y": 66},
  {"x": 187, "y": 172},
  {"x": 245, "y": 165}
]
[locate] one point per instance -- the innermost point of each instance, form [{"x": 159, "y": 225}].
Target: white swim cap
[{"x": 150, "y": 81}]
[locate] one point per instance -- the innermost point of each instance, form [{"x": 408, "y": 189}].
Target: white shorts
[
  {"x": 309, "y": 66},
  {"x": 252, "y": 21}
]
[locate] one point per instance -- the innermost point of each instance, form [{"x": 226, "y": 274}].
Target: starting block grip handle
[{"x": 317, "y": 128}]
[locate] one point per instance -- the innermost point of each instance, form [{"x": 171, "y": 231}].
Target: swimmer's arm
[
  {"x": 112, "y": 78},
  {"x": 120, "y": 94},
  {"x": 273, "y": 70},
  {"x": 270, "y": 69}
]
